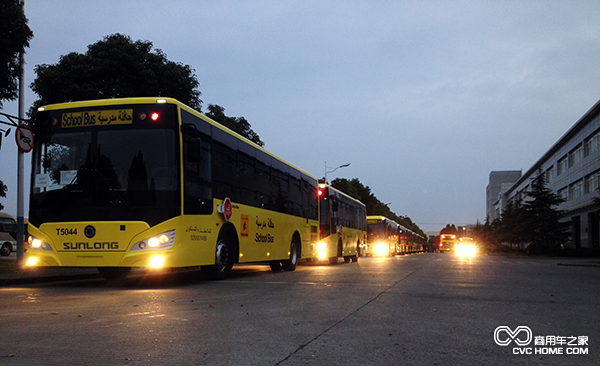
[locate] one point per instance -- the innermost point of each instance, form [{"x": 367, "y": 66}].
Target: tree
[
  {"x": 356, "y": 189},
  {"x": 3, "y": 190},
  {"x": 449, "y": 229},
  {"x": 14, "y": 38},
  {"x": 115, "y": 67},
  {"x": 237, "y": 124},
  {"x": 512, "y": 227},
  {"x": 545, "y": 232}
]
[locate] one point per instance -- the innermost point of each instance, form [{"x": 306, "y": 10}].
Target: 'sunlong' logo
[{"x": 503, "y": 335}]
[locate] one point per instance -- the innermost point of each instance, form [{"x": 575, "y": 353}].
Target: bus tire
[
  {"x": 354, "y": 258},
  {"x": 290, "y": 264},
  {"x": 6, "y": 249},
  {"x": 275, "y": 266},
  {"x": 333, "y": 260},
  {"x": 114, "y": 273},
  {"x": 223, "y": 261}
]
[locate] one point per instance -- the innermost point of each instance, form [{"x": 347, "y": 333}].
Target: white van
[{"x": 8, "y": 234}]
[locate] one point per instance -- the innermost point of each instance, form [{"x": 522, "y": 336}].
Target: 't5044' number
[{"x": 66, "y": 231}]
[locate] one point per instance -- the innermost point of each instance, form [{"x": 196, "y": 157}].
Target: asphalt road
[{"x": 426, "y": 309}]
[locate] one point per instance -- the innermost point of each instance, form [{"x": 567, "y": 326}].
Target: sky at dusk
[{"x": 422, "y": 98}]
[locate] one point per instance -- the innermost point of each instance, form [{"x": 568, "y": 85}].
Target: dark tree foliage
[
  {"x": 513, "y": 228},
  {"x": 449, "y": 229},
  {"x": 237, "y": 124},
  {"x": 543, "y": 229},
  {"x": 115, "y": 67},
  {"x": 534, "y": 222},
  {"x": 14, "y": 38},
  {"x": 356, "y": 189},
  {"x": 3, "y": 190}
]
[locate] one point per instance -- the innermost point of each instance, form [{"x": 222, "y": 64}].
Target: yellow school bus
[
  {"x": 342, "y": 226},
  {"x": 382, "y": 236},
  {"x": 448, "y": 242},
  {"x": 150, "y": 182}
]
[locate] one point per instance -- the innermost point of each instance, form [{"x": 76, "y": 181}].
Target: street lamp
[
  {"x": 333, "y": 169},
  {"x": 6, "y": 132}
]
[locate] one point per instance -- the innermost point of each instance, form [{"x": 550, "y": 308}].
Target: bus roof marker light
[
  {"x": 161, "y": 101},
  {"x": 41, "y": 109}
]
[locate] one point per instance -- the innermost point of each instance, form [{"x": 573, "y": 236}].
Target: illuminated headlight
[
  {"x": 381, "y": 249},
  {"x": 322, "y": 249},
  {"x": 322, "y": 246},
  {"x": 37, "y": 244},
  {"x": 161, "y": 241},
  {"x": 32, "y": 261},
  {"x": 157, "y": 261},
  {"x": 466, "y": 250}
]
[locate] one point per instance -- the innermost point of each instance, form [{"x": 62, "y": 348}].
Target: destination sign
[{"x": 97, "y": 118}]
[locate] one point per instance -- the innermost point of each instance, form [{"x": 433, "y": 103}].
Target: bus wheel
[
  {"x": 290, "y": 264},
  {"x": 114, "y": 273},
  {"x": 223, "y": 262},
  {"x": 333, "y": 260},
  {"x": 354, "y": 258},
  {"x": 347, "y": 259},
  {"x": 6, "y": 249},
  {"x": 275, "y": 266}
]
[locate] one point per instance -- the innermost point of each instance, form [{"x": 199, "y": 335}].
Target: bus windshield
[
  {"x": 117, "y": 172},
  {"x": 379, "y": 230}
]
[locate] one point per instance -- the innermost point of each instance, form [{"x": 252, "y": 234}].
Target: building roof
[{"x": 578, "y": 126}]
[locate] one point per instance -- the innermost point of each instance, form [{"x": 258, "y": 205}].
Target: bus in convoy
[
  {"x": 409, "y": 241},
  {"x": 8, "y": 234},
  {"x": 342, "y": 225},
  {"x": 150, "y": 182},
  {"x": 447, "y": 242},
  {"x": 382, "y": 236}
]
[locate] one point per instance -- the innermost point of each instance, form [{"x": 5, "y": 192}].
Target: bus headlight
[
  {"x": 37, "y": 244},
  {"x": 161, "y": 241},
  {"x": 322, "y": 249},
  {"x": 466, "y": 250},
  {"x": 157, "y": 261},
  {"x": 381, "y": 249}
]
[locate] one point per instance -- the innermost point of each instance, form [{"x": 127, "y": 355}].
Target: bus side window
[{"x": 194, "y": 149}]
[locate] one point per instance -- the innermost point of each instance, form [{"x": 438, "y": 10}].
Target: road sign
[{"x": 24, "y": 138}]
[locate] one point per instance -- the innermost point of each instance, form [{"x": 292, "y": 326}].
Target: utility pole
[{"x": 20, "y": 166}]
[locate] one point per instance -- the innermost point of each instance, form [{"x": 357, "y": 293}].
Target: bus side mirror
[{"x": 194, "y": 148}]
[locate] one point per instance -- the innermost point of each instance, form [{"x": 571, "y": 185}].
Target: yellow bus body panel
[{"x": 263, "y": 236}]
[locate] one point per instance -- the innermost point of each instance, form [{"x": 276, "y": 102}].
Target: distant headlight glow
[{"x": 466, "y": 250}]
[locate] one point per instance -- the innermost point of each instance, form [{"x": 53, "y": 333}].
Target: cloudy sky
[{"x": 423, "y": 98}]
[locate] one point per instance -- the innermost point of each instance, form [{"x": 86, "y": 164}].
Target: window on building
[
  {"x": 561, "y": 165},
  {"x": 576, "y": 190},
  {"x": 592, "y": 182},
  {"x": 575, "y": 155},
  {"x": 550, "y": 174},
  {"x": 564, "y": 193},
  {"x": 592, "y": 143}
]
